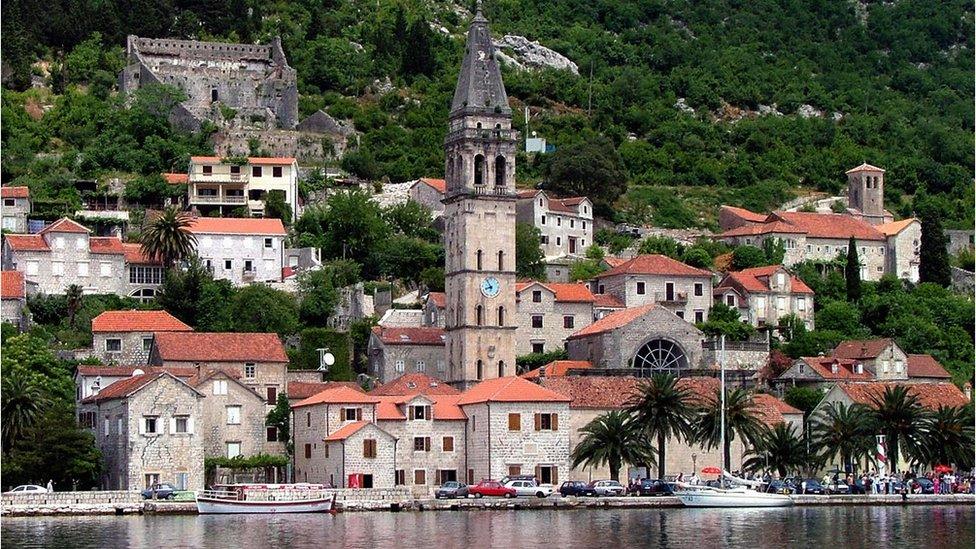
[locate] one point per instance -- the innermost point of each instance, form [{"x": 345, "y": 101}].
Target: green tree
[
  {"x": 934, "y": 252},
  {"x": 259, "y": 308},
  {"x": 661, "y": 245},
  {"x": 948, "y": 437},
  {"x": 613, "y": 438},
  {"x": 23, "y": 401},
  {"x": 584, "y": 269},
  {"x": 845, "y": 431},
  {"x": 276, "y": 207},
  {"x": 775, "y": 250},
  {"x": 73, "y": 293},
  {"x": 724, "y": 320},
  {"x": 411, "y": 218},
  {"x": 747, "y": 257},
  {"x": 168, "y": 237},
  {"x": 841, "y": 317},
  {"x": 279, "y": 417},
  {"x": 182, "y": 291},
  {"x": 592, "y": 168},
  {"x": 803, "y": 398},
  {"x": 529, "y": 259},
  {"x": 780, "y": 449},
  {"x": 697, "y": 257},
  {"x": 55, "y": 449},
  {"x": 663, "y": 408},
  {"x": 318, "y": 297},
  {"x": 852, "y": 272},
  {"x": 900, "y": 416},
  {"x": 433, "y": 279},
  {"x": 741, "y": 419}
]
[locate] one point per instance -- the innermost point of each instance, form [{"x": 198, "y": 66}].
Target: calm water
[{"x": 823, "y": 528}]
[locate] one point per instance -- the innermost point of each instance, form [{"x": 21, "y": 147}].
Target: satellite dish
[
  {"x": 137, "y": 372},
  {"x": 329, "y": 359}
]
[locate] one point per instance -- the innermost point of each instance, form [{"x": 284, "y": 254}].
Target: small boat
[
  {"x": 739, "y": 496},
  {"x": 266, "y": 498}
]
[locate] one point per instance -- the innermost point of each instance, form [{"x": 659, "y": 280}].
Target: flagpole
[{"x": 721, "y": 362}]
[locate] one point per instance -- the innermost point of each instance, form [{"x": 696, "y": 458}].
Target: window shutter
[
  {"x": 172, "y": 425},
  {"x": 538, "y": 469},
  {"x": 189, "y": 425},
  {"x": 359, "y": 414},
  {"x": 555, "y": 473},
  {"x": 411, "y": 412},
  {"x": 426, "y": 444},
  {"x": 555, "y": 422},
  {"x": 366, "y": 448},
  {"x": 538, "y": 422},
  {"x": 427, "y": 413},
  {"x": 437, "y": 477}
]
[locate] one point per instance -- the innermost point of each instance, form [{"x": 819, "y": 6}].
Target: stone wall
[
  {"x": 133, "y": 351},
  {"x": 409, "y": 460},
  {"x": 684, "y": 301},
  {"x": 554, "y": 332},
  {"x": 266, "y": 261},
  {"x": 310, "y": 425},
  {"x": 385, "y": 360},
  {"x": 250, "y": 431},
  {"x": 493, "y": 448},
  {"x": 15, "y": 217},
  {"x": 267, "y": 374}
]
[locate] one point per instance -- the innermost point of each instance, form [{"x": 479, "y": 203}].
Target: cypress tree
[
  {"x": 852, "y": 272},
  {"x": 934, "y": 251}
]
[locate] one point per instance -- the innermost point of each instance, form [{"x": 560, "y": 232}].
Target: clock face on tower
[{"x": 490, "y": 287}]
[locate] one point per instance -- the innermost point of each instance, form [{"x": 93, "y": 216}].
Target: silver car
[
  {"x": 530, "y": 488},
  {"x": 608, "y": 488}
]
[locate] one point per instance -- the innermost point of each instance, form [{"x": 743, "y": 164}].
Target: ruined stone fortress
[{"x": 253, "y": 80}]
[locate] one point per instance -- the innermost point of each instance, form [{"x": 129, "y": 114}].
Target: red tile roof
[
  {"x": 509, "y": 389},
  {"x": 65, "y": 225},
  {"x": 300, "y": 390},
  {"x": 237, "y": 225},
  {"x": 346, "y": 431},
  {"x": 757, "y": 280},
  {"x": 614, "y": 320},
  {"x": 129, "y": 386},
  {"x": 865, "y": 167},
  {"x": 930, "y": 395},
  {"x": 845, "y": 368},
  {"x": 926, "y": 366},
  {"x": 558, "y": 368},
  {"x": 564, "y": 292},
  {"x": 815, "y": 225},
  {"x": 12, "y": 285},
  {"x": 443, "y": 407},
  {"x": 395, "y": 335},
  {"x": 134, "y": 255},
  {"x": 27, "y": 242},
  {"x": 126, "y": 371},
  {"x": 773, "y": 410},
  {"x": 895, "y": 227},
  {"x": 568, "y": 205},
  {"x": 531, "y": 193},
  {"x": 744, "y": 214},
  {"x": 615, "y": 392},
  {"x": 138, "y": 321},
  {"x": 219, "y": 347},
  {"x": 607, "y": 301},
  {"x": 412, "y": 384},
  {"x": 263, "y": 160},
  {"x": 106, "y": 245},
  {"x": 861, "y": 348},
  {"x": 204, "y": 159},
  {"x": 438, "y": 185},
  {"x": 439, "y": 299},
  {"x": 614, "y": 261},
  {"x": 337, "y": 395},
  {"x": 446, "y": 408},
  {"x": 14, "y": 192},
  {"x": 176, "y": 178},
  {"x": 654, "y": 264}
]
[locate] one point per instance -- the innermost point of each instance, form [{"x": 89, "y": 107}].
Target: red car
[{"x": 491, "y": 488}]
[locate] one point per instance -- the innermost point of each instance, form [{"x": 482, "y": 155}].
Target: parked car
[
  {"x": 530, "y": 488},
  {"x": 576, "y": 488},
  {"x": 652, "y": 487},
  {"x": 491, "y": 488},
  {"x": 813, "y": 486},
  {"x": 779, "y": 487},
  {"x": 838, "y": 486},
  {"x": 28, "y": 489},
  {"x": 451, "y": 489},
  {"x": 508, "y": 478},
  {"x": 608, "y": 488},
  {"x": 161, "y": 491}
]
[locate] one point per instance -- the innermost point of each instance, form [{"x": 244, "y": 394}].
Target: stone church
[{"x": 479, "y": 213}]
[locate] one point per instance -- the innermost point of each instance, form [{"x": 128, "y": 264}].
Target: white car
[
  {"x": 28, "y": 489},
  {"x": 609, "y": 488},
  {"x": 530, "y": 488}
]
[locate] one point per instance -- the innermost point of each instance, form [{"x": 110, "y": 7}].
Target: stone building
[
  {"x": 960, "y": 240},
  {"x": 903, "y": 253},
  {"x": 548, "y": 313},
  {"x": 658, "y": 279},
  {"x": 479, "y": 218},
  {"x": 882, "y": 358},
  {"x": 90, "y": 380},
  {"x": 65, "y": 253},
  {"x": 763, "y": 295},
  {"x": 429, "y": 193},
  {"x": 821, "y": 371},
  {"x": 16, "y": 207},
  {"x": 865, "y": 194},
  {"x": 241, "y": 250},
  {"x": 516, "y": 427},
  {"x": 126, "y": 337},
  {"x": 147, "y": 429},
  {"x": 258, "y": 360},
  {"x": 565, "y": 224},
  {"x": 649, "y": 338},
  {"x": 13, "y": 299},
  {"x": 394, "y": 351},
  {"x": 251, "y": 83},
  {"x": 232, "y": 417},
  {"x": 435, "y": 303},
  {"x": 215, "y": 184}
]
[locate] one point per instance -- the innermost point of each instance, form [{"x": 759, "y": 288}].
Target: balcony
[
  {"x": 217, "y": 199},
  {"x": 482, "y": 133},
  {"x": 218, "y": 177},
  {"x": 248, "y": 275},
  {"x": 674, "y": 298}
]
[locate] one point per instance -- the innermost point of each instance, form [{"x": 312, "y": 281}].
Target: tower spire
[{"x": 479, "y": 88}]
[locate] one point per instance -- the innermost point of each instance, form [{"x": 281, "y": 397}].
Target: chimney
[{"x": 968, "y": 390}]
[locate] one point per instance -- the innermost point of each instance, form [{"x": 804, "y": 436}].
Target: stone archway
[{"x": 659, "y": 354}]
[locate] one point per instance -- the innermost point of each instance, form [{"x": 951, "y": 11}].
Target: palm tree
[
  {"x": 741, "y": 418},
  {"x": 613, "y": 438},
  {"x": 948, "y": 437},
  {"x": 167, "y": 237},
  {"x": 846, "y": 430},
  {"x": 663, "y": 410},
  {"x": 900, "y": 417},
  {"x": 74, "y": 294},
  {"x": 22, "y": 401},
  {"x": 779, "y": 448}
]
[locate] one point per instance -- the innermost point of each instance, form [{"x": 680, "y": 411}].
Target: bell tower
[
  {"x": 865, "y": 193},
  {"x": 479, "y": 213}
]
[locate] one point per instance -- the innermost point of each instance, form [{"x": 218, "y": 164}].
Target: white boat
[
  {"x": 739, "y": 496},
  {"x": 266, "y": 499}
]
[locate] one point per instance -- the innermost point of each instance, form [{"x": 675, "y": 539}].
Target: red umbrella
[
  {"x": 943, "y": 469},
  {"x": 711, "y": 470}
]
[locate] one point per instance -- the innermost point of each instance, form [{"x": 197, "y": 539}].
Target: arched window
[
  {"x": 500, "y": 171},
  {"x": 501, "y": 260},
  {"x": 479, "y": 259},
  {"x": 501, "y": 368},
  {"x": 480, "y": 372},
  {"x": 501, "y": 316},
  {"x": 479, "y": 170},
  {"x": 480, "y": 314}
]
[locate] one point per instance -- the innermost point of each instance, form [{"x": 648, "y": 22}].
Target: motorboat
[{"x": 266, "y": 499}]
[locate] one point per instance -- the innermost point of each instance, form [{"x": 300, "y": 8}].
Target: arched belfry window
[
  {"x": 501, "y": 368},
  {"x": 480, "y": 313},
  {"x": 479, "y": 170},
  {"x": 480, "y": 372},
  {"x": 501, "y": 260},
  {"x": 479, "y": 255},
  {"x": 500, "y": 171},
  {"x": 501, "y": 316}
]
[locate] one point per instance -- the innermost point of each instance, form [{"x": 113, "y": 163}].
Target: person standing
[{"x": 50, "y": 485}]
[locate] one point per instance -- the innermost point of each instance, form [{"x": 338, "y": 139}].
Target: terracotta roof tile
[
  {"x": 443, "y": 407},
  {"x": 930, "y": 395},
  {"x": 106, "y": 245},
  {"x": 276, "y": 161},
  {"x": 127, "y": 387},
  {"x": 816, "y": 225},
  {"x": 845, "y": 368},
  {"x": 126, "y": 371},
  {"x": 615, "y": 392},
  {"x": 300, "y": 390},
  {"x": 865, "y": 167},
  {"x": 926, "y": 366},
  {"x": 346, "y": 431},
  {"x": 558, "y": 368},
  {"x": 568, "y": 205},
  {"x": 219, "y": 347},
  {"x": 176, "y": 178},
  {"x": 607, "y": 301},
  {"x": 895, "y": 227},
  {"x": 65, "y": 225},
  {"x": 757, "y": 280},
  {"x": 395, "y": 335},
  {"x": 654, "y": 264},
  {"x": 14, "y": 192},
  {"x": 861, "y": 348},
  {"x": 531, "y": 193},
  {"x": 26, "y": 242},
  {"x": 772, "y": 410},
  {"x": 439, "y": 299},
  {"x": 205, "y": 159},
  {"x": 446, "y": 408},
  {"x": 744, "y": 214},
  {"x": 412, "y": 384},
  {"x": 337, "y": 395},
  {"x": 12, "y": 285},
  {"x": 237, "y": 225},
  {"x": 134, "y": 255},
  {"x": 564, "y": 292},
  {"x": 138, "y": 321},
  {"x": 509, "y": 389},
  {"x": 614, "y": 261},
  {"x": 438, "y": 185},
  {"x": 614, "y": 320}
]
